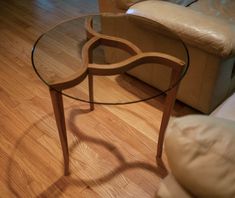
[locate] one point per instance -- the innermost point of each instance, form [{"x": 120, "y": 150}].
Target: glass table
[{"x": 95, "y": 59}]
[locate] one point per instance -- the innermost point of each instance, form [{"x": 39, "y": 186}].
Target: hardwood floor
[{"x": 112, "y": 149}]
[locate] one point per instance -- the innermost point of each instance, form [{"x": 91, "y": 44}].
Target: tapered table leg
[
  {"x": 170, "y": 101},
  {"x": 57, "y": 102},
  {"x": 169, "y": 104},
  {"x": 91, "y": 91}
]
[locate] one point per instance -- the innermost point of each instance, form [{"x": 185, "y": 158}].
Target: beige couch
[
  {"x": 208, "y": 30},
  {"x": 200, "y": 152}
]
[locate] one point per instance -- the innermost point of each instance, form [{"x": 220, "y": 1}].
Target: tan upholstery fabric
[
  {"x": 170, "y": 188},
  {"x": 200, "y": 151},
  {"x": 216, "y": 8},
  {"x": 195, "y": 28},
  {"x": 125, "y": 4}
]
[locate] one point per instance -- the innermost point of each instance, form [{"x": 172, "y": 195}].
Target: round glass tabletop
[{"x": 107, "y": 56}]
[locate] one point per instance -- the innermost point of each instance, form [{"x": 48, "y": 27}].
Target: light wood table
[{"x": 71, "y": 55}]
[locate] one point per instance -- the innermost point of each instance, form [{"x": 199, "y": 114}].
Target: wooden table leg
[
  {"x": 169, "y": 104},
  {"x": 57, "y": 102},
  {"x": 170, "y": 101},
  {"x": 91, "y": 91}
]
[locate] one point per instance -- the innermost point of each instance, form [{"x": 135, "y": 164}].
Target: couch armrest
[{"x": 208, "y": 33}]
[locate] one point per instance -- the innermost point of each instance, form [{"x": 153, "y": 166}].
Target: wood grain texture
[{"x": 112, "y": 148}]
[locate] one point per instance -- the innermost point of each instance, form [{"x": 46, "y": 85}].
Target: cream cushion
[
  {"x": 170, "y": 188},
  {"x": 201, "y": 155}
]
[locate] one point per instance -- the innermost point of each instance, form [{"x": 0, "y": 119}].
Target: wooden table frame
[{"x": 89, "y": 69}]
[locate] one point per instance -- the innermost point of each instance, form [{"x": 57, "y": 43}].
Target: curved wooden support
[
  {"x": 71, "y": 81},
  {"x": 138, "y": 57},
  {"x": 81, "y": 74},
  {"x": 87, "y": 50},
  {"x": 134, "y": 61},
  {"x": 111, "y": 40},
  {"x": 94, "y": 39}
]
